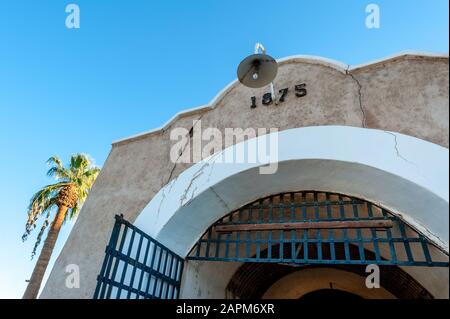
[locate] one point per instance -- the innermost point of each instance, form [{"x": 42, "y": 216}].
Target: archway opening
[
  {"x": 313, "y": 227},
  {"x": 279, "y": 235},
  {"x": 281, "y": 281}
]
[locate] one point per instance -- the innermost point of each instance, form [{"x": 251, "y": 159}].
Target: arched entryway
[
  {"x": 411, "y": 198},
  {"x": 285, "y": 245},
  {"x": 296, "y": 243}
]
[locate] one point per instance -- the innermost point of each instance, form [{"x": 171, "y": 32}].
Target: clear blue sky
[{"x": 134, "y": 64}]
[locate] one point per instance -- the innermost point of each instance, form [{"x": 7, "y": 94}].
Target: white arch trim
[{"x": 404, "y": 174}]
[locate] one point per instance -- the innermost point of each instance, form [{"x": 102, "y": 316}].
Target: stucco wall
[{"x": 406, "y": 94}]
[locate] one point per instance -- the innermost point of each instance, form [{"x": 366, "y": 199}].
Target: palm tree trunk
[{"x": 44, "y": 257}]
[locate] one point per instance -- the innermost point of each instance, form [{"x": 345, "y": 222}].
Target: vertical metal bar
[
  {"x": 425, "y": 249},
  {"x": 328, "y": 205},
  {"x": 227, "y": 240},
  {"x": 163, "y": 272},
  {"x": 151, "y": 265},
  {"x": 305, "y": 232},
  {"x": 376, "y": 248},
  {"x": 177, "y": 265},
  {"x": 248, "y": 236},
  {"x": 319, "y": 237},
  {"x": 117, "y": 261},
  {"x": 152, "y": 269},
  {"x": 269, "y": 245},
  {"x": 281, "y": 219},
  {"x": 292, "y": 207},
  {"x": 258, "y": 233},
  {"x": 219, "y": 240},
  {"x": 179, "y": 277},
  {"x": 208, "y": 243},
  {"x": 293, "y": 248},
  {"x": 238, "y": 244},
  {"x": 389, "y": 237},
  {"x": 330, "y": 231},
  {"x": 305, "y": 245},
  {"x": 270, "y": 209},
  {"x": 161, "y": 253},
  {"x": 281, "y": 209},
  {"x": 316, "y": 206},
  {"x": 345, "y": 233},
  {"x": 109, "y": 257},
  {"x": 258, "y": 245},
  {"x": 362, "y": 255},
  {"x": 172, "y": 258},
  {"x": 199, "y": 247},
  {"x": 227, "y": 245},
  {"x": 375, "y": 245},
  {"x": 303, "y": 206},
  {"x": 238, "y": 236},
  {"x": 144, "y": 262},
  {"x": 125, "y": 267},
  {"x": 247, "y": 244},
  {"x": 405, "y": 241},
  {"x": 281, "y": 245},
  {"x": 133, "y": 274},
  {"x": 250, "y": 215}
]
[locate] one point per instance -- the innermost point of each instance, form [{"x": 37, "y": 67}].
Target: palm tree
[{"x": 67, "y": 196}]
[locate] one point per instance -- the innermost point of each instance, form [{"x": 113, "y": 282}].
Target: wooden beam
[{"x": 305, "y": 225}]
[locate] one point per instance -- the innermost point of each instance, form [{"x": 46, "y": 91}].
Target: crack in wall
[
  {"x": 213, "y": 162},
  {"x": 182, "y": 151},
  {"x": 163, "y": 196},
  {"x": 191, "y": 182},
  {"x": 220, "y": 199},
  {"x": 176, "y": 162},
  {"x": 397, "y": 151},
  {"x": 359, "y": 96},
  {"x": 172, "y": 182}
]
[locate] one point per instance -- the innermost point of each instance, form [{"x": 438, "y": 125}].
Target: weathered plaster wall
[
  {"x": 407, "y": 94},
  {"x": 207, "y": 280}
]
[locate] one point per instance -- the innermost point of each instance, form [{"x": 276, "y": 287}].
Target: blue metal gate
[
  {"x": 316, "y": 228},
  {"x": 137, "y": 267}
]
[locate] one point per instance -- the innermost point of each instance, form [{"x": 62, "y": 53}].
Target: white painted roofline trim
[{"x": 340, "y": 66}]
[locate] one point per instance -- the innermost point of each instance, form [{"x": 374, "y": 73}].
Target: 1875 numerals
[{"x": 267, "y": 99}]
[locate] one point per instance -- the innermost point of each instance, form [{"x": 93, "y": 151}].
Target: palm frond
[
  {"x": 57, "y": 170},
  {"x": 41, "y": 233},
  {"x": 43, "y": 201},
  {"x": 59, "y": 173},
  {"x": 55, "y": 160},
  {"x": 79, "y": 176}
]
